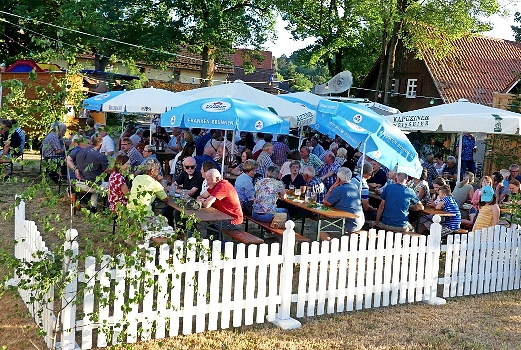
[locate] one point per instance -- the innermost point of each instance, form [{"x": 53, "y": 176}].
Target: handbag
[
  {"x": 279, "y": 221},
  {"x": 192, "y": 204}
]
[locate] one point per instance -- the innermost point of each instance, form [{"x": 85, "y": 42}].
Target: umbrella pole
[
  {"x": 222, "y": 161},
  {"x": 362, "y": 164},
  {"x": 300, "y": 136},
  {"x": 460, "y": 142},
  {"x": 151, "y": 119}
]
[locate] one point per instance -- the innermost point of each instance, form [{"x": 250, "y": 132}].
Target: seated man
[
  {"x": 188, "y": 180},
  {"x": 206, "y": 157},
  {"x": 344, "y": 195},
  {"x": 244, "y": 185},
  {"x": 53, "y": 151},
  {"x": 128, "y": 149},
  {"x": 327, "y": 172},
  {"x": 11, "y": 143},
  {"x": 222, "y": 196},
  {"x": 90, "y": 167},
  {"x": 394, "y": 216}
]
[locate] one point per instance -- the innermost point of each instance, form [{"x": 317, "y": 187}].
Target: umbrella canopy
[
  {"x": 305, "y": 98},
  {"x": 388, "y": 144},
  {"x": 296, "y": 115},
  {"x": 145, "y": 101},
  {"x": 224, "y": 113},
  {"x": 95, "y": 103},
  {"x": 461, "y": 116},
  {"x": 376, "y": 146}
]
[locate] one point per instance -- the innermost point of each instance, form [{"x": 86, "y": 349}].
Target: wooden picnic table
[
  {"x": 210, "y": 215},
  {"x": 336, "y": 218},
  {"x": 432, "y": 211}
]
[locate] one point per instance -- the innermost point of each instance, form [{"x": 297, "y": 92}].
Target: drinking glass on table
[
  {"x": 291, "y": 191},
  {"x": 297, "y": 192}
]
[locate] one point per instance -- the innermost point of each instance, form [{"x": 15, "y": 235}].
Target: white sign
[{"x": 216, "y": 106}]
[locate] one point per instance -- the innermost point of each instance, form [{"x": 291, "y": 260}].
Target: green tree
[
  {"x": 517, "y": 29},
  {"x": 422, "y": 26},
  {"x": 342, "y": 41},
  {"x": 213, "y": 28}
]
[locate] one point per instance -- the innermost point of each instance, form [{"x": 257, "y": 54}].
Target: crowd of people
[{"x": 267, "y": 170}]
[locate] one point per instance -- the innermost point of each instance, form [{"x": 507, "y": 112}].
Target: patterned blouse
[
  {"x": 116, "y": 181},
  {"x": 266, "y": 194}
]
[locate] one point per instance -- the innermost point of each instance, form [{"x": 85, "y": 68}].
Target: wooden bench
[
  {"x": 9, "y": 162},
  {"x": 266, "y": 226},
  {"x": 243, "y": 237}
]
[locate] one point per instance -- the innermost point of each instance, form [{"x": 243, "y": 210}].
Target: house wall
[{"x": 406, "y": 67}]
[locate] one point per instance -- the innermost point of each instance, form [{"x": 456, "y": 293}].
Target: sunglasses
[{"x": 190, "y": 166}]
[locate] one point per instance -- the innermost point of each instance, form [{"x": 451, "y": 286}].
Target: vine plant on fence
[{"x": 53, "y": 270}]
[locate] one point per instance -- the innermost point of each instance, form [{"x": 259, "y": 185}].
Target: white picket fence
[{"x": 251, "y": 284}]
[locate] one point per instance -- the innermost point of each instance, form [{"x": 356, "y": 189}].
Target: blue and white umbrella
[
  {"x": 95, "y": 103},
  {"x": 383, "y": 142},
  {"x": 224, "y": 113}
]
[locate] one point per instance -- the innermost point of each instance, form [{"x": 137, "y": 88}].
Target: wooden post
[
  {"x": 432, "y": 264},
  {"x": 286, "y": 277}
]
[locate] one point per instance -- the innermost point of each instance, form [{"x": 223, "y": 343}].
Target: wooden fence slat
[
  {"x": 251, "y": 267},
  {"x": 313, "y": 273},
  {"x": 215, "y": 281},
  {"x": 202, "y": 289},
  {"x": 379, "y": 268},
  {"x": 342, "y": 273},
  {"x": 370, "y": 271},
  {"x": 273, "y": 284},
  {"x": 88, "y": 302},
  {"x": 103, "y": 306},
  {"x": 305, "y": 257},
  {"x": 226, "y": 295},
  {"x": 413, "y": 269},
  {"x": 406, "y": 252},
  {"x": 361, "y": 271},
  {"x": 322, "y": 276},
  {"x": 261, "y": 287},
  {"x": 395, "y": 278},
  {"x": 147, "y": 319},
  {"x": 422, "y": 269},
  {"x": 175, "y": 292},
  {"x": 461, "y": 267},
  {"x": 333, "y": 276},
  {"x": 483, "y": 262},
  {"x": 389, "y": 247},
  {"x": 354, "y": 242},
  {"x": 119, "y": 293},
  {"x": 238, "y": 285},
  {"x": 162, "y": 292}
]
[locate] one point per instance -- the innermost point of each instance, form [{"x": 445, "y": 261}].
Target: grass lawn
[{"x": 474, "y": 322}]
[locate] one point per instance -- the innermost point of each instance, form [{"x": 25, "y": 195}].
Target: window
[
  {"x": 395, "y": 84},
  {"x": 411, "y": 88}
]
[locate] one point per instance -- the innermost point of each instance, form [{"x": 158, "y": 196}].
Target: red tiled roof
[{"x": 478, "y": 67}]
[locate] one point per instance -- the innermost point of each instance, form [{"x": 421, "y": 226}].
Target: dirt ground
[{"x": 473, "y": 322}]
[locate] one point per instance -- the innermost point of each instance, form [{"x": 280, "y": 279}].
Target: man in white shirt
[{"x": 107, "y": 145}]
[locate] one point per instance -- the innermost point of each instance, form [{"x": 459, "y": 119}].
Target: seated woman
[
  {"x": 464, "y": 191},
  {"x": 245, "y": 155},
  {"x": 118, "y": 187},
  {"x": 489, "y": 211},
  {"x": 294, "y": 178},
  {"x": 267, "y": 191},
  {"x": 421, "y": 187},
  {"x": 473, "y": 212},
  {"x": 285, "y": 169}
]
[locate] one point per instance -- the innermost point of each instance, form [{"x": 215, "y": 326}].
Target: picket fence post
[
  {"x": 286, "y": 278},
  {"x": 432, "y": 264}
]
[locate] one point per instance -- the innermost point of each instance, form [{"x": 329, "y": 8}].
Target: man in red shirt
[{"x": 222, "y": 196}]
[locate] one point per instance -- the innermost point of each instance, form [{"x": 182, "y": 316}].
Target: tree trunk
[
  {"x": 379, "y": 79},
  {"x": 100, "y": 62},
  {"x": 207, "y": 67},
  {"x": 389, "y": 68},
  {"x": 338, "y": 62}
]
